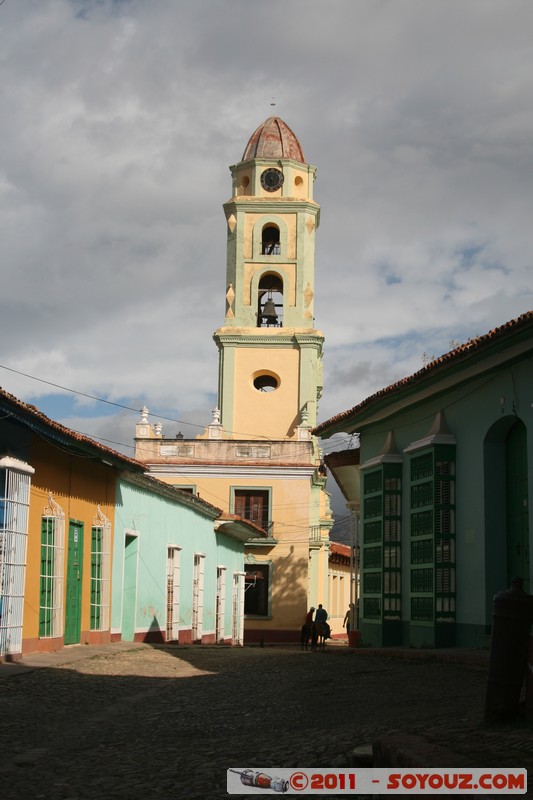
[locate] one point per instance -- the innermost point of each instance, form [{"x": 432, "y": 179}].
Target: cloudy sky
[{"x": 119, "y": 122}]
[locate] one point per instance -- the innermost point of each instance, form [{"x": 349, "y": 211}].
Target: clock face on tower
[{"x": 271, "y": 179}]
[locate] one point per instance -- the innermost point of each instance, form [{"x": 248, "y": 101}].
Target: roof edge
[{"x": 460, "y": 354}]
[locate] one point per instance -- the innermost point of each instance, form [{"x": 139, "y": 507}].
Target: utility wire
[
  {"x": 136, "y": 410},
  {"x": 158, "y": 416},
  {"x": 93, "y": 397}
]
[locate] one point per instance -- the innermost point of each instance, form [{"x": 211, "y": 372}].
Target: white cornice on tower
[{"x": 242, "y": 471}]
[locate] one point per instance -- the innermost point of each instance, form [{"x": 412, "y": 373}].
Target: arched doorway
[
  {"x": 517, "y": 515},
  {"x": 506, "y": 507}
]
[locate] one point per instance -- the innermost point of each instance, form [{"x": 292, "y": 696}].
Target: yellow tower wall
[{"x": 270, "y": 414}]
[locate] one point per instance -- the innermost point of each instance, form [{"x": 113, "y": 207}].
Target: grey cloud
[{"x": 120, "y": 122}]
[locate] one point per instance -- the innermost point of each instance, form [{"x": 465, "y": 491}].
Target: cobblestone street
[{"x": 157, "y": 722}]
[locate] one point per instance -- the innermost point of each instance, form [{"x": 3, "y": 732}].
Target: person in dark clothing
[{"x": 322, "y": 616}]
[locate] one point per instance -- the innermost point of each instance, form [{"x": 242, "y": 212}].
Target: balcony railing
[
  {"x": 269, "y": 322},
  {"x": 314, "y": 533},
  {"x": 271, "y": 249}
]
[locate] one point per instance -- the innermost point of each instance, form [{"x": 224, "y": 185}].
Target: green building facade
[
  {"x": 446, "y": 482},
  {"x": 178, "y": 567}
]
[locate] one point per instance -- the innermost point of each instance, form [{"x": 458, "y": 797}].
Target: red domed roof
[{"x": 273, "y": 139}]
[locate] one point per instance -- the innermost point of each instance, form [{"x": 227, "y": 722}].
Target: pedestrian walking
[{"x": 348, "y": 622}]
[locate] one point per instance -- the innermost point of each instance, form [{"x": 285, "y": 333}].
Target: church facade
[{"x": 257, "y": 459}]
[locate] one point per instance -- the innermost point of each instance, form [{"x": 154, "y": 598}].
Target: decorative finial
[{"x": 144, "y": 414}]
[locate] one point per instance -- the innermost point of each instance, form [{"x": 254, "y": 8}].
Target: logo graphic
[{"x": 261, "y": 781}]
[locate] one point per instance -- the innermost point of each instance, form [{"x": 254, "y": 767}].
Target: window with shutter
[
  {"x": 432, "y": 547},
  {"x": 100, "y": 572},
  {"x": 52, "y": 577},
  {"x": 253, "y": 506},
  {"x": 381, "y": 549}
]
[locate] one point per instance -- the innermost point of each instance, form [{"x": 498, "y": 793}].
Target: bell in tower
[
  {"x": 269, "y": 315},
  {"x": 270, "y": 299}
]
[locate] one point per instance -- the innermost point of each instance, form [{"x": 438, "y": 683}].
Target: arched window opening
[
  {"x": 270, "y": 302},
  {"x": 266, "y": 382},
  {"x": 270, "y": 245}
]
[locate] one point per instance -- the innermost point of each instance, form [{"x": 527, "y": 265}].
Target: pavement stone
[{"x": 130, "y": 720}]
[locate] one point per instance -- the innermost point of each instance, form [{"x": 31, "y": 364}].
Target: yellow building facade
[
  {"x": 71, "y": 499},
  {"x": 57, "y": 509},
  {"x": 257, "y": 458}
]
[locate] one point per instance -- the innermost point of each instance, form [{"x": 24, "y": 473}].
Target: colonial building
[
  {"x": 444, "y": 480},
  {"x": 257, "y": 458},
  {"x": 57, "y": 502},
  {"x": 178, "y": 566},
  {"x": 93, "y": 550}
]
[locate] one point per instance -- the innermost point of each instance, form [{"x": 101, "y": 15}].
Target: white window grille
[
  {"x": 237, "y": 622},
  {"x": 100, "y": 571},
  {"x": 52, "y": 571},
  {"x": 220, "y": 603},
  {"x": 15, "y": 480},
  {"x": 173, "y": 593},
  {"x": 198, "y": 597}
]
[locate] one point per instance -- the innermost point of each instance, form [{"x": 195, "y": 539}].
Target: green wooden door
[
  {"x": 516, "y": 504},
  {"x": 74, "y": 581}
]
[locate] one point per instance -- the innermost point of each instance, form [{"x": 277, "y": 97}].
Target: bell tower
[
  {"x": 270, "y": 354},
  {"x": 257, "y": 459}
]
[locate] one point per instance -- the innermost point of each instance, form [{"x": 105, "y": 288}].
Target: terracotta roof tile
[
  {"x": 32, "y": 412},
  {"x": 225, "y": 516},
  {"x": 339, "y": 549},
  {"x": 434, "y": 367},
  {"x": 273, "y": 139},
  {"x": 139, "y": 475}
]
